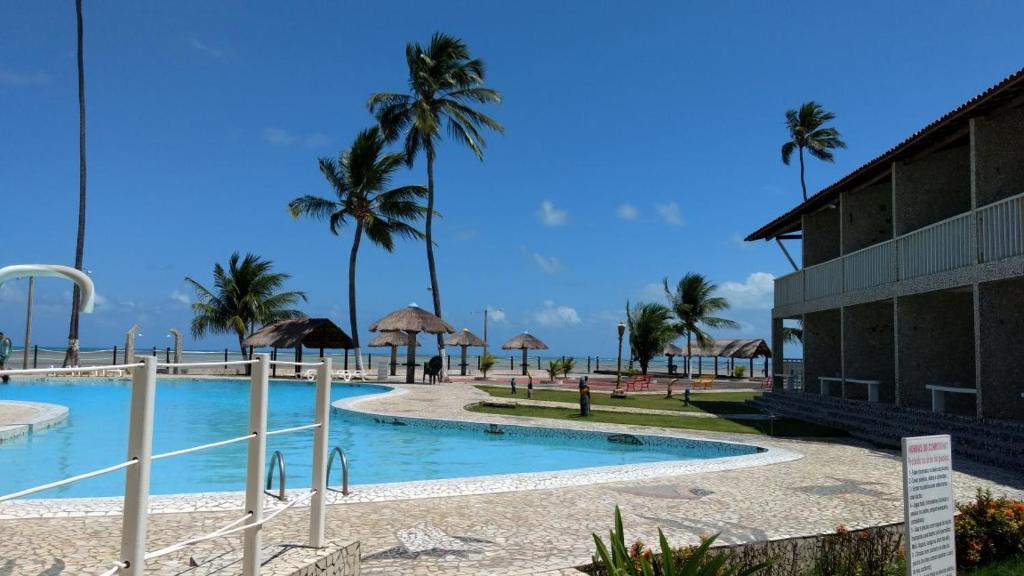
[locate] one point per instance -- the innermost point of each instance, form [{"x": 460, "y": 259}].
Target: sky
[{"x": 642, "y": 142}]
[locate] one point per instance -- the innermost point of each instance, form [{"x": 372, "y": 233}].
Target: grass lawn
[
  {"x": 1007, "y": 568},
  {"x": 785, "y": 427},
  {"x": 711, "y": 402}
]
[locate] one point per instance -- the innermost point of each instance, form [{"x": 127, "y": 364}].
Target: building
[{"x": 911, "y": 289}]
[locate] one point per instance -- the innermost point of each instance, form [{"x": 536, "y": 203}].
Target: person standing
[{"x": 5, "y": 353}]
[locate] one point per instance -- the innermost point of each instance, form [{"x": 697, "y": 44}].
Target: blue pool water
[{"x": 191, "y": 412}]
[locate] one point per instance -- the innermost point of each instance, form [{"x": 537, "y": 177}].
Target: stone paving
[
  {"x": 18, "y": 418},
  {"x": 540, "y": 531}
]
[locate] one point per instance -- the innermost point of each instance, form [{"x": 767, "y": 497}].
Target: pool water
[{"x": 192, "y": 412}]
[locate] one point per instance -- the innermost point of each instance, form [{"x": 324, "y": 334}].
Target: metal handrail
[
  {"x": 344, "y": 470},
  {"x": 279, "y": 458}
]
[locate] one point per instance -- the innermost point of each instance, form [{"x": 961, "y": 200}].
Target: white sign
[{"x": 928, "y": 506}]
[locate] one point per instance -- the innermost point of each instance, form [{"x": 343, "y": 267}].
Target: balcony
[{"x": 939, "y": 247}]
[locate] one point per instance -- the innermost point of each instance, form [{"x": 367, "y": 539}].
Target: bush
[
  {"x": 739, "y": 371},
  {"x": 989, "y": 529},
  {"x": 554, "y": 368},
  {"x": 487, "y": 361},
  {"x": 567, "y": 366}
]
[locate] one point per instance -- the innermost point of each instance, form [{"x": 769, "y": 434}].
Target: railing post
[
  {"x": 136, "y": 483},
  {"x": 322, "y": 416},
  {"x": 256, "y": 463}
]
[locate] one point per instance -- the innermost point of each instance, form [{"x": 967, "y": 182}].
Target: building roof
[
  {"x": 734, "y": 349},
  {"x": 310, "y": 332},
  {"x": 951, "y": 125}
]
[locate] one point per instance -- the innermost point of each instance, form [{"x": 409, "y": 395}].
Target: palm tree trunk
[
  {"x": 71, "y": 356},
  {"x": 428, "y": 232},
  {"x": 802, "y": 183},
  {"x": 353, "y": 323},
  {"x": 689, "y": 357}
]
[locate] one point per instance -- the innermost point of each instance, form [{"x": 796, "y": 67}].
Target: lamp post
[{"x": 618, "y": 392}]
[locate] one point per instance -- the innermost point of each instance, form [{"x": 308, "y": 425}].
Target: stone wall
[
  {"x": 867, "y": 216},
  {"x": 820, "y": 236},
  {"x": 822, "y": 348},
  {"x": 1001, "y": 324},
  {"x": 932, "y": 188},
  {"x": 869, "y": 341},
  {"x": 999, "y": 156},
  {"x": 936, "y": 346}
]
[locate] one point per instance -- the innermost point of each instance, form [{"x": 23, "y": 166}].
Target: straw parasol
[
  {"x": 391, "y": 340},
  {"x": 670, "y": 351},
  {"x": 524, "y": 342},
  {"x": 298, "y": 332},
  {"x": 465, "y": 339},
  {"x": 412, "y": 320}
]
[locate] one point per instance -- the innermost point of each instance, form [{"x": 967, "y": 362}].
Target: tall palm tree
[
  {"x": 444, "y": 82},
  {"x": 244, "y": 296},
  {"x": 360, "y": 179},
  {"x": 694, "y": 303},
  {"x": 650, "y": 329},
  {"x": 807, "y": 130},
  {"x": 71, "y": 356}
]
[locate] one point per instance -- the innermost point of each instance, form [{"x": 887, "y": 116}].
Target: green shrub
[
  {"x": 554, "y": 368},
  {"x": 567, "y": 366},
  {"x": 739, "y": 371},
  {"x": 989, "y": 529},
  {"x": 487, "y": 361}
]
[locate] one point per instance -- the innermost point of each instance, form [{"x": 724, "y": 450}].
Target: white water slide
[{"x": 87, "y": 290}]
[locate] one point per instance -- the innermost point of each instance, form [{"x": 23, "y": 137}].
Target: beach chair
[
  {"x": 358, "y": 375},
  {"x": 704, "y": 381},
  {"x": 309, "y": 374},
  {"x": 343, "y": 375}
]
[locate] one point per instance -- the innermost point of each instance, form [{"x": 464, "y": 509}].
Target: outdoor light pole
[{"x": 618, "y": 371}]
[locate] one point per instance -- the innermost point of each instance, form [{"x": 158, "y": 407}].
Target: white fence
[
  {"x": 1001, "y": 229},
  {"x": 938, "y": 247},
  {"x": 823, "y": 280},
  {"x": 134, "y": 556},
  {"x": 871, "y": 266}
]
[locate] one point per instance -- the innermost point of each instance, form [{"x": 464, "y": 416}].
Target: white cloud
[
  {"x": 551, "y": 216},
  {"x": 180, "y": 297},
  {"x": 317, "y": 140},
  {"x": 19, "y": 79},
  {"x": 549, "y": 264},
  {"x": 670, "y": 213},
  {"x": 627, "y": 212},
  {"x": 756, "y": 293},
  {"x": 653, "y": 292},
  {"x": 466, "y": 234},
  {"x": 277, "y": 136},
  {"x": 495, "y": 315},
  {"x": 201, "y": 47},
  {"x": 554, "y": 316}
]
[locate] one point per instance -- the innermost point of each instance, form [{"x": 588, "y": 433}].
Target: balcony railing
[
  {"x": 1001, "y": 229},
  {"x": 871, "y": 266},
  {"x": 935, "y": 248},
  {"x": 938, "y": 247}
]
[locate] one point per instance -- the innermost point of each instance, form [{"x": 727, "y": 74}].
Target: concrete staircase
[{"x": 998, "y": 442}]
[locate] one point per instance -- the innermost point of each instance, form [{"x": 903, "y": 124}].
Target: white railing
[
  {"x": 871, "y": 266},
  {"x": 938, "y": 247},
  {"x": 1001, "y": 229},
  {"x": 140, "y": 457},
  {"x": 825, "y": 279},
  {"x": 789, "y": 289}
]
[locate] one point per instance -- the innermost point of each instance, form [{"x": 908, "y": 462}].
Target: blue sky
[{"x": 642, "y": 142}]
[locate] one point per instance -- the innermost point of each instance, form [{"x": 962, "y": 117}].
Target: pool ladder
[{"x": 278, "y": 458}]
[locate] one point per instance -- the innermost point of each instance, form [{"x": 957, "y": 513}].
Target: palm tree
[
  {"x": 243, "y": 297},
  {"x": 444, "y": 82},
  {"x": 807, "y": 130},
  {"x": 650, "y": 329},
  {"x": 694, "y": 305},
  {"x": 359, "y": 178},
  {"x": 71, "y": 356}
]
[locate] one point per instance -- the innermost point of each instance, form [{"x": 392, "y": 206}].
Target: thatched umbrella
[
  {"x": 524, "y": 342},
  {"x": 298, "y": 332},
  {"x": 412, "y": 320},
  {"x": 465, "y": 339},
  {"x": 391, "y": 340},
  {"x": 670, "y": 351}
]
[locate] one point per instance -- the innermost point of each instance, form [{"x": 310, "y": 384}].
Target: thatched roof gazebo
[
  {"x": 524, "y": 342},
  {"x": 732, "y": 350},
  {"x": 411, "y": 320},
  {"x": 392, "y": 340},
  {"x": 464, "y": 339},
  {"x": 670, "y": 351},
  {"x": 298, "y": 333}
]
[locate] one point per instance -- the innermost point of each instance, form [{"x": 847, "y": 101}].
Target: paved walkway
[
  {"x": 20, "y": 418},
  {"x": 532, "y": 532}
]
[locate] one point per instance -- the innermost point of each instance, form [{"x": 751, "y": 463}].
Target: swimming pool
[{"x": 191, "y": 412}]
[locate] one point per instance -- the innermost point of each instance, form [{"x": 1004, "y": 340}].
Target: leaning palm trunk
[
  {"x": 429, "y": 237},
  {"x": 71, "y": 356},
  {"x": 353, "y": 323},
  {"x": 689, "y": 358}
]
